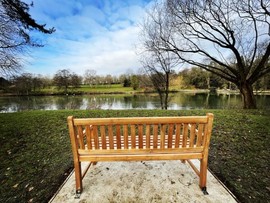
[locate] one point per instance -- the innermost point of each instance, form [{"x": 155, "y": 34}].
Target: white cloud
[{"x": 100, "y": 36}]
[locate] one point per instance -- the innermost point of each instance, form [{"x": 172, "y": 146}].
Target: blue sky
[{"x": 99, "y": 35}]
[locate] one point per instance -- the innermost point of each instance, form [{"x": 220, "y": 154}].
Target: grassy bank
[
  {"x": 86, "y": 89},
  {"x": 35, "y": 152}
]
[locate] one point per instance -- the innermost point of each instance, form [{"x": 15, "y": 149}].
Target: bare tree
[
  {"x": 108, "y": 80},
  {"x": 159, "y": 67},
  {"x": 62, "y": 79},
  {"x": 75, "y": 80},
  {"x": 235, "y": 34},
  {"x": 157, "y": 62},
  {"x": 90, "y": 77},
  {"x": 23, "y": 84}
]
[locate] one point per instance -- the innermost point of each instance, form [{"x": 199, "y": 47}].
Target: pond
[{"x": 123, "y": 101}]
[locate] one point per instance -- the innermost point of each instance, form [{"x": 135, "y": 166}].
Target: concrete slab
[{"x": 149, "y": 181}]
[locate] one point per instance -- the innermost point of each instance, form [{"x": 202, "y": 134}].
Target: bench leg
[
  {"x": 203, "y": 175},
  {"x": 77, "y": 195},
  {"x": 204, "y": 190},
  {"x": 78, "y": 177}
]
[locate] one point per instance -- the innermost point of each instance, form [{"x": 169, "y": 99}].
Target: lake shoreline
[{"x": 74, "y": 93}]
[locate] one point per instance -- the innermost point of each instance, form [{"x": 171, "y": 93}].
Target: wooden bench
[{"x": 140, "y": 139}]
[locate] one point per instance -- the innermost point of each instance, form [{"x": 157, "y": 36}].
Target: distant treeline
[{"x": 64, "y": 80}]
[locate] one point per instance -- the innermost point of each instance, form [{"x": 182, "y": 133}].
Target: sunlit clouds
[{"x": 99, "y": 35}]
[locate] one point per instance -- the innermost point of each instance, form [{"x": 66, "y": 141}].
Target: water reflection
[{"x": 141, "y": 101}]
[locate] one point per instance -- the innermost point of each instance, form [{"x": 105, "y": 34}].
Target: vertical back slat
[
  {"x": 199, "y": 135},
  {"x": 192, "y": 135},
  {"x": 162, "y": 136},
  {"x": 110, "y": 132},
  {"x": 185, "y": 135},
  {"x": 103, "y": 137},
  {"x": 133, "y": 136},
  {"x": 96, "y": 139},
  {"x": 118, "y": 136},
  {"x": 140, "y": 134},
  {"x": 125, "y": 129},
  {"x": 177, "y": 135},
  {"x": 170, "y": 135},
  {"x": 80, "y": 134},
  {"x": 88, "y": 136},
  {"x": 155, "y": 134},
  {"x": 147, "y": 134}
]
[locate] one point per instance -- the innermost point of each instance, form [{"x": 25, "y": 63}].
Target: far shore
[{"x": 112, "y": 90}]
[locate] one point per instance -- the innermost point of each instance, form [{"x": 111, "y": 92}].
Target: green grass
[
  {"x": 106, "y": 89},
  {"x": 86, "y": 89},
  {"x": 35, "y": 152}
]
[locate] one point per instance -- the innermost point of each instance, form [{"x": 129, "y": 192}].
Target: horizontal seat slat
[
  {"x": 139, "y": 157},
  {"x": 141, "y": 151}
]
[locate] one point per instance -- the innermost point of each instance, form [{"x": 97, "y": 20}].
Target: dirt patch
[{"x": 153, "y": 181}]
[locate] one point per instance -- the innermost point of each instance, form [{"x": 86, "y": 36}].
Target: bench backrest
[{"x": 140, "y": 132}]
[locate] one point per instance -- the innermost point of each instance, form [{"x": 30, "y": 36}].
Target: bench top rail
[{"x": 140, "y": 120}]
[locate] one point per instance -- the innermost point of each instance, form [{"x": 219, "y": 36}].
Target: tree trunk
[
  {"x": 161, "y": 99},
  {"x": 66, "y": 87},
  {"x": 167, "y": 90},
  {"x": 166, "y": 101},
  {"x": 248, "y": 96}
]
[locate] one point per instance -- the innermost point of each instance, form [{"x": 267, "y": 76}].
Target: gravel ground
[{"x": 150, "y": 181}]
